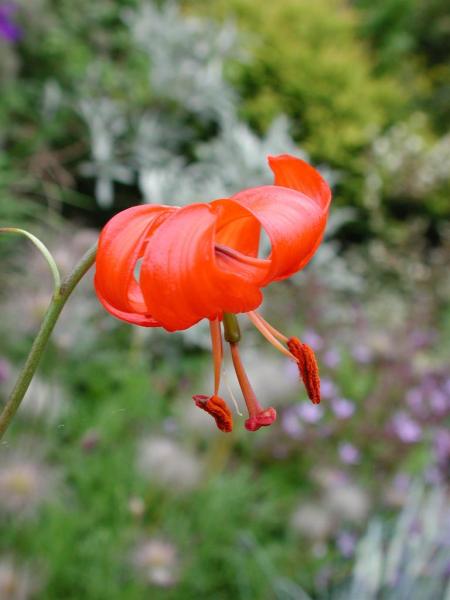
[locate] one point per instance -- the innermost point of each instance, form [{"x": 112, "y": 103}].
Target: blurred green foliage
[
  {"x": 344, "y": 75},
  {"x": 411, "y": 38},
  {"x": 308, "y": 62}
]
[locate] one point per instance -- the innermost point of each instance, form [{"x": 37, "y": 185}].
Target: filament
[
  {"x": 262, "y": 326},
  {"x": 217, "y": 351},
  {"x": 270, "y": 327}
]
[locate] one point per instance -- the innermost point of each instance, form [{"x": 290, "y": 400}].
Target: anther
[
  {"x": 217, "y": 408},
  {"x": 307, "y": 364}
]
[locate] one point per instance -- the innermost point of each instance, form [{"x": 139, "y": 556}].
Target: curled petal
[
  {"x": 182, "y": 278},
  {"x": 121, "y": 245},
  {"x": 236, "y": 227},
  {"x": 294, "y": 173},
  {"x": 293, "y": 217},
  {"x": 202, "y": 260}
]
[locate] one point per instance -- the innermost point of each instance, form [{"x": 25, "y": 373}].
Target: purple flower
[
  {"x": 327, "y": 389},
  {"x": 331, "y": 358},
  {"x": 346, "y": 543},
  {"x": 362, "y": 354},
  {"x": 9, "y": 31},
  {"x": 420, "y": 338},
  {"x": 313, "y": 339},
  {"x": 438, "y": 402},
  {"x": 414, "y": 399},
  {"x": 310, "y": 413},
  {"x": 342, "y": 408},
  {"x": 291, "y": 423},
  {"x": 441, "y": 443},
  {"x": 406, "y": 429},
  {"x": 348, "y": 453},
  {"x": 433, "y": 476},
  {"x": 446, "y": 387},
  {"x": 401, "y": 482}
]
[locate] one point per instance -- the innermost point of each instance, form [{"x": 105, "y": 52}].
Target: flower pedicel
[{"x": 201, "y": 262}]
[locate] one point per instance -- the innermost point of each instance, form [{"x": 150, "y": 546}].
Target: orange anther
[
  {"x": 307, "y": 364},
  {"x": 217, "y": 408}
]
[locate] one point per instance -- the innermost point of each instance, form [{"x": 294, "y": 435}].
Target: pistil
[{"x": 258, "y": 416}]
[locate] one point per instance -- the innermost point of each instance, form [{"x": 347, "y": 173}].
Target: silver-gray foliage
[
  {"x": 412, "y": 560},
  {"x": 186, "y": 57}
]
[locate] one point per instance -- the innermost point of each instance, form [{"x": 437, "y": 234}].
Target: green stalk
[
  {"x": 42, "y": 249},
  {"x": 60, "y": 297}
]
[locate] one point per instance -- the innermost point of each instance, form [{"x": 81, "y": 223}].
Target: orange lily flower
[{"x": 201, "y": 262}]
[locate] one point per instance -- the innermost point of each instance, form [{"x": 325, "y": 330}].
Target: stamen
[
  {"x": 261, "y": 326},
  {"x": 258, "y": 417},
  {"x": 270, "y": 327},
  {"x": 217, "y": 408},
  {"x": 217, "y": 350},
  {"x": 308, "y": 367}
]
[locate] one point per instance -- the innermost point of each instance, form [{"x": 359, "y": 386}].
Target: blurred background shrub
[{"x": 112, "y": 484}]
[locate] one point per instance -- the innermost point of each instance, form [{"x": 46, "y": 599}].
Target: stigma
[{"x": 258, "y": 416}]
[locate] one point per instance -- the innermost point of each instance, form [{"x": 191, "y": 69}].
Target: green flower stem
[
  {"x": 60, "y": 297},
  {"x": 42, "y": 249}
]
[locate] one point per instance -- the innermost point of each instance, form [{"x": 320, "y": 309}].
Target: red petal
[
  {"x": 236, "y": 227},
  {"x": 201, "y": 260},
  {"x": 121, "y": 245},
  {"x": 294, "y": 173},
  {"x": 182, "y": 278},
  {"x": 293, "y": 217}
]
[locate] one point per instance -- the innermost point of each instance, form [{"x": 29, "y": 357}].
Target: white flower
[
  {"x": 16, "y": 582},
  {"x": 25, "y": 484},
  {"x": 195, "y": 420},
  {"x": 44, "y": 400},
  {"x": 136, "y": 506},
  {"x": 348, "y": 502},
  {"x": 157, "y": 562},
  {"x": 313, "y": 521},
  {"x": 168, "y": 464}
]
